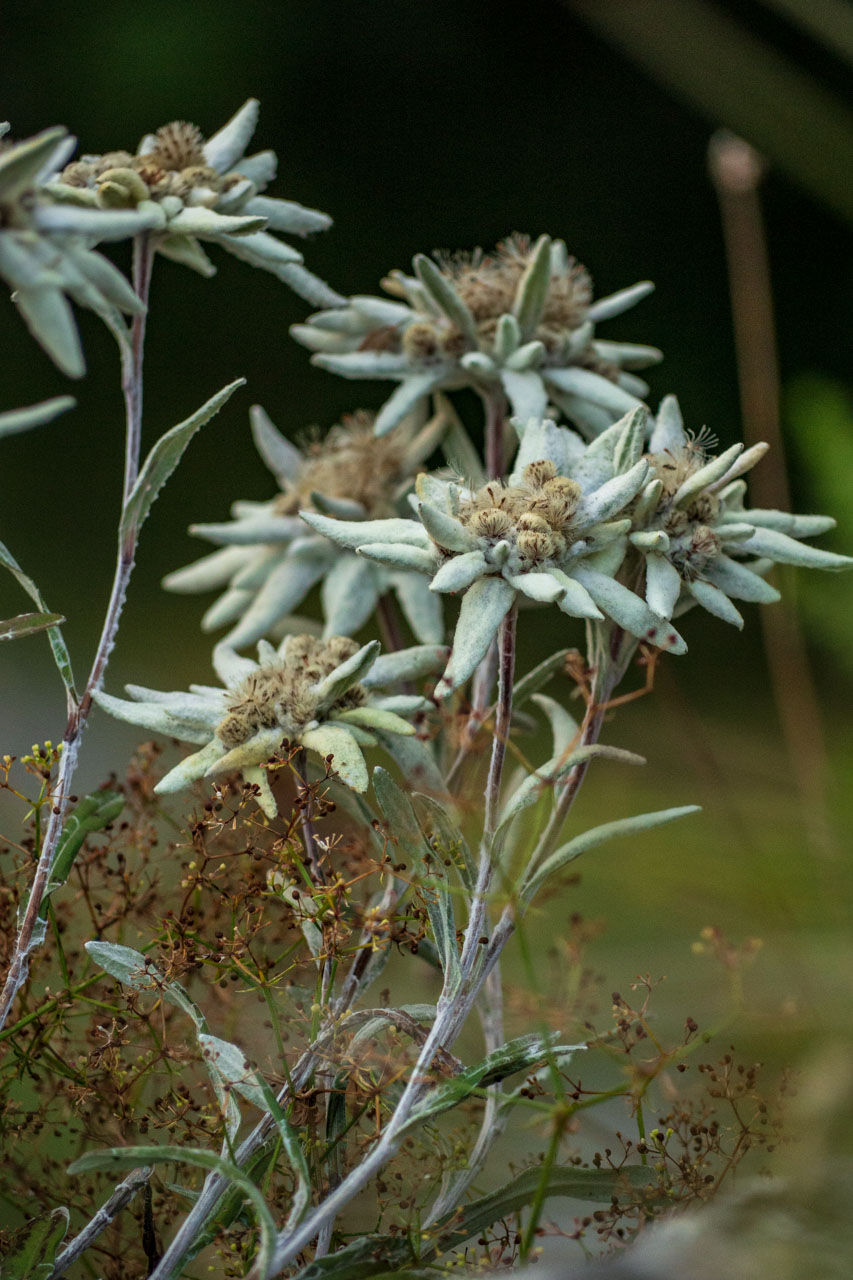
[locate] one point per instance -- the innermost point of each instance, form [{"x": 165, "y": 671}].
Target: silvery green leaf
[
  {"x": 207, "y": 224},
  {"x": 348, "y": 762},
  {"x": 421, "y": 607},
  {"x": 564, "y": 727},
  {"x": 35, "y": 415},
  {"x": 739, "y": 582},
  {"x": 406, "y": 664},
  {"x": 265, "y": 799},
  {"x": 538, "y": 677},
  {"x": 542, "y": 587},
  {"x": 49, "y": 319},
  {"x": 607, "y": 560},
  {"x": 507, "y": 337},
  {"x": 106, "y": 278},
  {"x": 21, "y": 162},
  {"x": 263, "y": 525},
  {"x": 348, "y": 595},
  {"x": 287, "y": 215},
  {"x": 542, "y": 438},
  {"x": 411, "y": 391},
  {"x": 231, "y": 1064},
  {"x": 443, "y": 294},
  {"x": 164, "y": 457},
  {"x": 630, "y": 382},
  {"x": 436, "y": 491},
  {"x": 28, "y": 624},
  {"x": 231, "y": 667},
  {"x": 207, "y": 574},
  {"x": 32, "y": 1250},
  {"x": 715, "y": 601},
  {"x": 734, "y": 531},
  {"x": 784, "y": 550},
  {"x": 415, "y": 760},
  {"x": 648, "y": 500},
  {"x": 459, "y": 451},
  {"x": 282, "y": 457},
  {"x": 526, "y": 393},
  {"x": 354, "y": 533},
  {"x": 225, "y": 147},
  {"x": 187, "y": 252},
  {"x": 249, "y": 754},
  {"x": 445, "y": 530},
  {"x": 126, "y": 965},
  {"x": 668, "y": 434},
  {"x": 592, "y": 387},
  {"x": 400, "y": 557},
  {"x": 556, "y": 769},
  {"x": 615, "y": 303},
  {"x": 57, "y": 643},
  {"x": 699, "y": 480},
  {"x": 599, "y": 835},
  {"x": 628, "y": 355},
  {"x": 532, "y": 288},
  {"x": 231, "y": 604},
  {"x": 402, "y": 704},
  {"x": 613, "y": 495},
  {"x": 484, "y": 606},
  {"x": 156, "y": 717},
  {"x": 346, "y": 674},
  {"x": 741, "y": 465},
  {"x": 650, "y": 540},
  {"x": 326, "y": 339},
  {"x": 783, "y": 522},
  {"x": 479, "y": 364},
  {"x": 303, "y": 282},
  {"x": 338, "y": 508},
  {"x": 207, "y": 706},
  {"x": 629, "y": 611},
  {"x": 260, "y": 249},
  {"x": 575, "y": 600},
  {"x": 259, "y": 168},
  {"x": 97, "y": 224},
  {"x": 360, "y": 364},
  {"x": 663, "y": 585},
  {"x": 237, "y": 198},
  {"x": 285, "y": 588},
  {"x": 458, "y": 573},
  {"x": 376, "y": 718},
  {"x": 589, "y": 418},
  {"x": 632, "y": 442},
  {"x": 529, "y": 356}
]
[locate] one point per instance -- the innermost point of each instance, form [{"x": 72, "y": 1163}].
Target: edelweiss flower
[
  {"x": 521, "y": 319},
  {"x": 695, "y": 534},
  {"x": 541, "y": 535},
  {"x": 43, "y": 258},
  {"x": 203, "y": 190},
  {"x": 319, "y": 694},
  {"x": 270, "y": 561}
]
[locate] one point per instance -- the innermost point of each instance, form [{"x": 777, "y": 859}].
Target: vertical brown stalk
[{"x": 736, "y": 171}]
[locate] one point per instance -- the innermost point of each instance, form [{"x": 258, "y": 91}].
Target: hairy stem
[
  {"x": 121, "y": 1197},
  {"x": 29, "y": 936}
]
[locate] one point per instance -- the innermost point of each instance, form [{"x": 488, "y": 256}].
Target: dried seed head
[
  {"x": 420, "y": 341},
  {"x": 536, "y": 473},
  {"x": 177, "y": 146},
  {"x": 490, "y": 522},
  {"x": 280, "y": 694},
  {"x": 533, "y": 545},
  {"x": 349, "y": 462},
  {"x": 530, "y": 522}
]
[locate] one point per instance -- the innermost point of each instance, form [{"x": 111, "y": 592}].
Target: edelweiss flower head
[
  {"x": 322, "y": 695},
  {"x": 521, "y": 319},
  {"x": 698, "y": 540},
  {"x": 203, "y": 190},
  {"x": 543, "y": 535},
  {"x": 44, "y": 259},
  {"x": 270, "y": 561}
]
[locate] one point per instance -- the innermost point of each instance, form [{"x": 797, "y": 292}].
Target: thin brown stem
[
  {"x": 496, "y": 407},
  {"x": 737, "y": 170}
]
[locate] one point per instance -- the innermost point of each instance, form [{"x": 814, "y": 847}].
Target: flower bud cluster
[{"x": 533, "y": 519}]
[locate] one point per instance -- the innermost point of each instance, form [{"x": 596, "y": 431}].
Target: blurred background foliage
[{"x": 447, "y": 125}]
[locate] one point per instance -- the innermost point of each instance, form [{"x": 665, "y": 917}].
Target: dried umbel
[
  {"x": 322, "y": 695},
  {"x": 519, "y": 322},
  {"x": 270, "y": 561},
  {"x": 195, "y": 189}
]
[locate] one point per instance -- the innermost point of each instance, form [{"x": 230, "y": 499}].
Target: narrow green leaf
[
  {"x": 93, "y": 813},
  {"x": 27, "y": 624},
  {"x": 599, "y": 835},
  {"x": 57, "y": 644},
  {"x": 34, "y": 1247},
  {"x": 35, "y": 415},
  {"x": 133, "y": 1157},
  {"x": 164, "y": 457}
]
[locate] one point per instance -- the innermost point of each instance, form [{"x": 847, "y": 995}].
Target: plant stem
[
  {"x": 29, "y": 936},
  {"x": 121, "y": 1197},
  {"x": 389, "y": 624},
  {"x": 496, "y": 407}
]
